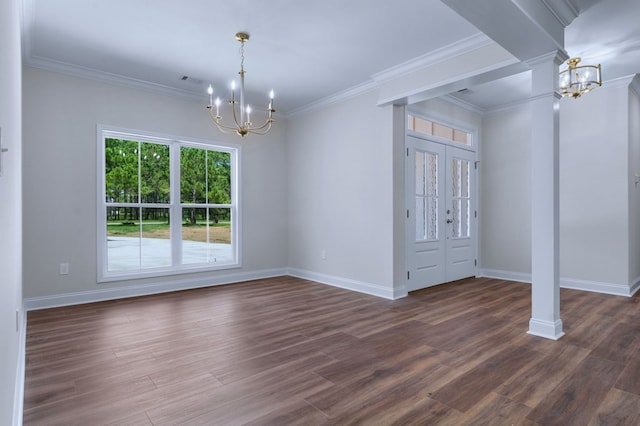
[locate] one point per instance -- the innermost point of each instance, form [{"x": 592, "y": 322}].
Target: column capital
[{"x": 556, "y": 56}]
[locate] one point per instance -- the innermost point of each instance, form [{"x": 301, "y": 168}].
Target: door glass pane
[
  {"x": 426, "y": 196},
  {"x": 464, "y": 179},
  {"x": 420, "y": 173},
  {"x": 421, "y": 215},
  {"x": 460, "y": 208},
  {"x": 432, "y": 219},
  {"x": 432, "y": 174},
  {"x": 455, "y": 177}
]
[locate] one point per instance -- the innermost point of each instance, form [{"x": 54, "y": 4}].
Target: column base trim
[{"x": 546, "y": 329}]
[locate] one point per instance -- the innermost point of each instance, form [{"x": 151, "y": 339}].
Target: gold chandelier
[
  {"x": 576, "y": 80},
  {"x": 242, "y": 116}
]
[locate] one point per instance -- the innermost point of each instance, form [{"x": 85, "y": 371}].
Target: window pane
[
  {"x": 154, "y": 173},
  {"x": 193, "y": 174},
  {"x": 121, "y": 171},
  {"x": 442, "y": 131},
  {"x": 420, "y": 125},
  {"x": 219, "y": 177},
  {"x": 206, "y": 235},
  {"x": 461, "y": 136},
  {"x": 194, "y": 235},
  {"x": 123, "y": 238},
  {"x": 156, "y": 241},
  {"x": 220, "y": 226}
]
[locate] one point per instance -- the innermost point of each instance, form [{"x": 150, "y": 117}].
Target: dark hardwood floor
[{"x": 288, "y": 351}]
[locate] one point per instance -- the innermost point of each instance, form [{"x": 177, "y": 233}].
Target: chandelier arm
[
  {"x": 263, "y": 125},
  {"x": 260, "y": 130},
  {"x": 224, "y": 128},
  {"x": 235, "y": 116}
]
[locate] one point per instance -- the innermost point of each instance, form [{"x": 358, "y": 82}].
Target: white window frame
[{"x": 175, "y": 206}]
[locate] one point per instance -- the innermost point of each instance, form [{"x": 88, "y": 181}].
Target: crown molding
[
  {"x": 631, "y": 81},
  {"x": 435, "y": 56},
  {"x": 565, "y": 11},
  {"x": 106, "y": 77},
  {"x": 627, "y": 80},
  {"x": 335, "y": 98},
  {"x": 468, "y": 106}
]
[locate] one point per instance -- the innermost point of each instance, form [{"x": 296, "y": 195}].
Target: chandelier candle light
[
  {"x": 241, "y": 118},
  {"x": 576, "y": 80}
]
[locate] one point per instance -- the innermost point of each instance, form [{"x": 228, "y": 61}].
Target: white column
[{"x": 545, "y": 266}]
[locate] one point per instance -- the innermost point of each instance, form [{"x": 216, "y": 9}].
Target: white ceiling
[{"x": 304, "y": 50}]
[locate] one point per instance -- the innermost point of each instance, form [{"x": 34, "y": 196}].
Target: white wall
[
  {"x": 341, "y": 195},
  {"x": 505, "y": 191},
  {"x": 634, "y": 189},
  {"x": 595, "y": 227},
  {"x": 594, "y": 233},
  {"x": 61, "y": 114},
  {"x": 11, "y": 354}
]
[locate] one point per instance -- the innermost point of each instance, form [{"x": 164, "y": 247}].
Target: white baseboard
[
  {"x": 585, "y": 285},
  {"x": 18, "y": 403},
  {"x": 348, "y": 284},
  {"x": 595, "y": 286},
  {"x": 44, "y": 302},
  {"x": 635, "y": 286},
  {"x": 504, "y": 275}
]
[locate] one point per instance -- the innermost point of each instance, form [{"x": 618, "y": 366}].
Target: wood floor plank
[
  {"x": 619, "y": 408},
  {"x": 621, "y": 345},
  {"x": 387, "y": 381},
  {"x": 576, "y": 399},
  {"x": 496, "y": 409},
  {"x": 629, "y": 380},
  {"x": 468, "y": 389},
  {"x": 296, "y": 413},
  {"x": 294, "y": 377},
  {"x": 533, "y": 384},
  {"x": 289, "y": 351}
]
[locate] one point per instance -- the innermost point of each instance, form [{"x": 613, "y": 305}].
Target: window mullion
[{"x": 176, "y": 209}]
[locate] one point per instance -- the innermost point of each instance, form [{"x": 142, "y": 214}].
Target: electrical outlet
[
  {"x": 64, "y": 269},
  {"x": 323, "y": 254}
]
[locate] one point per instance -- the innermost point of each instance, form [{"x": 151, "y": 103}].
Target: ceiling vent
[{"x": 191, "y": 80}]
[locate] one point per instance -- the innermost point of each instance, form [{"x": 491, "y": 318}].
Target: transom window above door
[{"x": 432, "y": 128}]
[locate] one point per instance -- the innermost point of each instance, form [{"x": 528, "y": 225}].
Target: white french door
[{"x": 441, "y": 213}]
